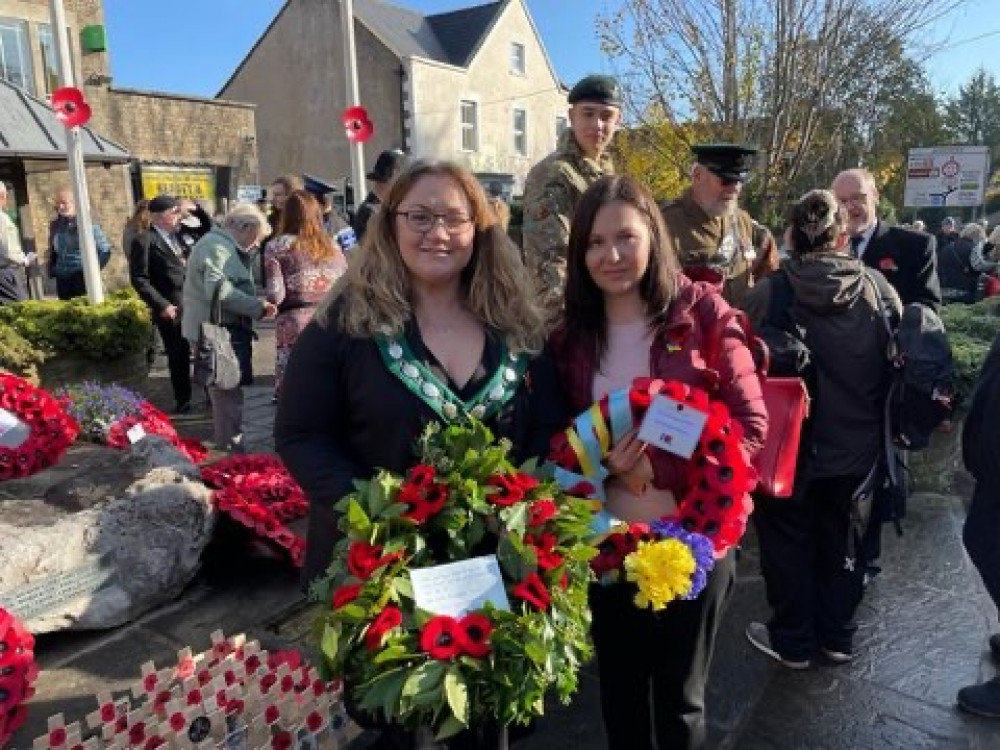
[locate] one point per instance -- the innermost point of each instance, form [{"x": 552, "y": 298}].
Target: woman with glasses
[{"x": 433, "y": 321}]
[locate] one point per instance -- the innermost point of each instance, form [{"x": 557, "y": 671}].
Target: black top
[
  {"x": 364, "y": 214},
  {"x": 980, "y": 448},
  {"x": 955, "y": 269},
  {"x": 156, "y": 271},
  {"x": 342, "y": 415},
  {"x": 908, "y": 260}
]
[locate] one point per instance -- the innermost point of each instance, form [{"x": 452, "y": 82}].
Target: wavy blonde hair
[{"x": 376, "y": 290}]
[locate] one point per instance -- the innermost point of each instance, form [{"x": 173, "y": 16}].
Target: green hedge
[
  {"x": 971, "y": 330},
  {"x": 39, "y": 329}
]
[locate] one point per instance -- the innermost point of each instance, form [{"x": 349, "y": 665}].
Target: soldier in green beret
[
  {"x": 555, "y": 184},
  {"x": 716, "y": 240}
]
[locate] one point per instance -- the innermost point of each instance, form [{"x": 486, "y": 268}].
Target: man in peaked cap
[
  {"x": 555, "y": 184},
  {"x": 385, "y": 169},
  {"x": 713, "y": 237}
]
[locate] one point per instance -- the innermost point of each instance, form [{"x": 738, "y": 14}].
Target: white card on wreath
[
  {"x": 673, "y": 426},
  {"x": 457, "y": 588}
]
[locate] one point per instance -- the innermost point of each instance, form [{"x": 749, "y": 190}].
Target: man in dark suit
[
  {"x": 906, "y": 258},
  {"x": 156, "y": 267}
]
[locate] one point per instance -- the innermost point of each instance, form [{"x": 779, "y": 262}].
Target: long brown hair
[
  {"x": 585, "y": 315},
  {"x": 497, "y": 286},
  {"x": 302, "y": 217}
]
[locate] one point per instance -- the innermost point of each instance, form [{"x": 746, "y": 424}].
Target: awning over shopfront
[{"x": 29, "y": 129}]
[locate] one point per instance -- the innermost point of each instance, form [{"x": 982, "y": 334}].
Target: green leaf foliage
[
  {"x": 531, "y": 652},
  {"x": 117, "y": 327}
]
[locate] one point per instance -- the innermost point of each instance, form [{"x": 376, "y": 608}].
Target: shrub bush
[
  {"x": 117, "y": 327},
  {"x": 17, "y": 355},
  {"x": 971, "y": 330}
]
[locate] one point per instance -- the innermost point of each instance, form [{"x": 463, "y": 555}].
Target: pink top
[{"x": 627, "y": 358}]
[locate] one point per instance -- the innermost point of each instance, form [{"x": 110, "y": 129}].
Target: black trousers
[
  {"x": 73, "y": 285},
  {"x": 178, "y": 358},
  {"x": 12, "y": 287},
  {"x": 812, "y": 587},
  {"x": 981, "y": 533},
  {"x": 654, "y": 666}
]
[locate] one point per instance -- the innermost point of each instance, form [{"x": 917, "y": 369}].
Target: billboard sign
[{"x": 946, "y": 176}]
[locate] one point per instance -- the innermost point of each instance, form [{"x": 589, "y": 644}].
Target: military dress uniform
[
  {"x": 705, "y": 244},
  {"x": 733, "y": 249}
]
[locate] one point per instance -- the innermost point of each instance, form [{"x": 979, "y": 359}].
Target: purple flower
[
  {"x": 96, "y": 406},
  {"x": 701, "y": 549}
]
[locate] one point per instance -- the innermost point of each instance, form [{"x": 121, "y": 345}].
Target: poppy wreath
[
  {"x": 462, "y": 500},
  {"x": 50, "y": 429},
  {"x": 17, "y": 674},
  {"x": 106, "y": 413},
  {"x": 257, "y": 492},
  {"x": 713, "y": 496}
]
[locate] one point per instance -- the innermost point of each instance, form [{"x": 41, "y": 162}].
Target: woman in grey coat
[{"x": 220, "y": 262}]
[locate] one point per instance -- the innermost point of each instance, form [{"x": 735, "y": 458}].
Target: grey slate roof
[
  {"x": 445, "y": 37},
  {"x": 29, "y": 129}
]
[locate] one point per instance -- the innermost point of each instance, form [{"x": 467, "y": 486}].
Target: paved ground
[{"x": 924, "y": 625}]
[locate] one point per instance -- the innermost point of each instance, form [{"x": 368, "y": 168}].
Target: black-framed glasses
[{"x": 423, "y": 221}]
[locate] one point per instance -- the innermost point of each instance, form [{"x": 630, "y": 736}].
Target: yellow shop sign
[{"x": 197, "y": 183}]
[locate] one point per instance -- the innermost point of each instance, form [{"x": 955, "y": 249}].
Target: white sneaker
[{"x": 758, "y": 635}]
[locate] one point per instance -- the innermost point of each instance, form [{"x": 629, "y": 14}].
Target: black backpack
[{"x": 922, "y": 394}]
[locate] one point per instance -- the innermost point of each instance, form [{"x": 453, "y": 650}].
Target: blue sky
[{"x": 212, "y": 37}]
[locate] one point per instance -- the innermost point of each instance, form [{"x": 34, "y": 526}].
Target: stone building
[
  {"x": 473, "y": 85},
  {"x": 171, "y": 143}
]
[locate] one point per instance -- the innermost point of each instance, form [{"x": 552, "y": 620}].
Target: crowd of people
[{"x": 436, "y": 315}]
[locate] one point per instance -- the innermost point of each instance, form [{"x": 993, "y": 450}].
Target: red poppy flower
[
  {"x": 57, "y": 736},
  {"x": 177, "y": 721},
  {"x": 473, "y": 633},
  {"x": 545, "y": 545},
  {"x": 388, "y": 619},
  {"x": 137, "y": 733},
  {"x": 108, "y": 712},
  {"x": 154, "y": 742},
  {"x": 510, "y": 490},
  {"x": 582, "y": 489},
  {"x": 271, "y": 714},
  {"x": 561, "y": 452},
  {"x": 424, "y": 502},
  {"x": 346, "y": 594},
  {"x": 357, "y": 125},
  {"x": 314, "y": 722},
  {"x": 421, "y": 475},
  {"x": 441, "y": 638},
  {"x": 70, "y": 107},
  {"x": 149, "y": 682},
  {"x": 194, "y": 697},
  {"x": 281, "y": 741},
  {"x": 541, "y": 511},
  {"x": 533, "y": 591},
  {"x": 363, "y": 559}
]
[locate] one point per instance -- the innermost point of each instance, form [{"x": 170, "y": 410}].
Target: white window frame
[
  {"x": 518, "y": 62},
  {"x": 562, "y": 125},
  {"x": 522, "y": 149},
  {"x": 20, "y": 27},
  {"x": 473, "y": 127}
]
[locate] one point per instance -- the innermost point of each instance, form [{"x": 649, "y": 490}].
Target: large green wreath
[{"x": 464, "y": 499}]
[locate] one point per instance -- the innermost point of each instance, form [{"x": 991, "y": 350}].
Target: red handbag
[{"x": 787, "y": 404}]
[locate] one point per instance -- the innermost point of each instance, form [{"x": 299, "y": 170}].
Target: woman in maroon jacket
[{"x": 629, "y": 314}]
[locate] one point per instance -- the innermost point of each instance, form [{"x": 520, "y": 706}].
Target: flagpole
[
  {"x": 77, "y": 170},
  {"x": 353, "y": 98}
]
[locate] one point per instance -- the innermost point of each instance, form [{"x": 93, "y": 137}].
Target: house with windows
[
  {"x": 473, "y": 86},
  {"x": 137, "y": 144}
]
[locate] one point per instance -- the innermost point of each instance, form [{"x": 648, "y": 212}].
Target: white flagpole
[
  {"x": 353, "y": 98},
  {"x": 77, "y": 171}
]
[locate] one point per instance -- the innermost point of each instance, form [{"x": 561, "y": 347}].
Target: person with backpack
[
  {"x": 810, "y": 543},
  {"x": 981, "y": 454}
]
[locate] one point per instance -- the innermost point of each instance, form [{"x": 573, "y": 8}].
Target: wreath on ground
[
  {"x": 481, "y": 659},
  {"x": 257, "y": 492},
  {"x": 713, "y": 496},
  {"x": 18, "y": 672},
  {"x": 34, "y": 411},
  {"x": 107, "y": 413}
]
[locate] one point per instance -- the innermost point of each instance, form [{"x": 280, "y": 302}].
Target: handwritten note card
[
  {"x": 13, "y": 432},
  {"x": 673, "y": 426},
  {"x": 460, "y": 587}
]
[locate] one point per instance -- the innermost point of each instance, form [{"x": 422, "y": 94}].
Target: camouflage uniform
[
  {"x": 718, "y": 244},
  {"x": 551, "y": 192}
]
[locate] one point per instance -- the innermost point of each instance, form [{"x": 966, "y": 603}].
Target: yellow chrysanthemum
[{"x": 662, "y": 570}]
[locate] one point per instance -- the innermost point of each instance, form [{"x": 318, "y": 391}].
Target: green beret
[
  {"x": 728, "y": 160},
  {"x": 600, "y": 89}
]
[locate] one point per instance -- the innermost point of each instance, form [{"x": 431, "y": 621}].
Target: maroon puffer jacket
[{"x": 677, "y": 354}]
